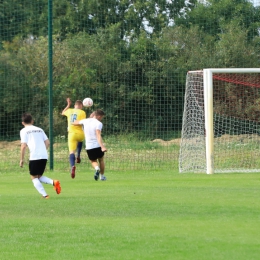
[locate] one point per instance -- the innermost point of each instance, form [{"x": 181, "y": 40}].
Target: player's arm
[
  {"x": 100, "y": 141},
  {"x": 92, "y": 114},
  {"x": 76, "y": 122},
  {"x": 22, "y": 153},
  {"x": 47, "y": 143},
  {"x": 67, "y": 107}
]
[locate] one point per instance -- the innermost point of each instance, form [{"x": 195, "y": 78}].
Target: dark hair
[
  {"x": 27, "y": 118},
  {"x": 99, "y": 112}
]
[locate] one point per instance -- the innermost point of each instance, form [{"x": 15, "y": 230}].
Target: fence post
[{"x": 50, "y": 82}]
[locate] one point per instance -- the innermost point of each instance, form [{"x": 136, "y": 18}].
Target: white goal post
[{"x": 221, "y": 121}]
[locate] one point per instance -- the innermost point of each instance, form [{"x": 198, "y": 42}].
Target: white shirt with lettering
[{"x": 34, "y": 137}]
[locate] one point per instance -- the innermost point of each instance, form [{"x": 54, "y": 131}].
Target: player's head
[
  {"x": 78, "y": 104},
  {"x": 99, "y": 114},
  {"x": 27, "y": 118}
]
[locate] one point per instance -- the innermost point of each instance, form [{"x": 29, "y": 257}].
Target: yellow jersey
[{"x": 72, "y": 115}]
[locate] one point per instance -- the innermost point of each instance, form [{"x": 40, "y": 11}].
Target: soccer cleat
[
  {"x": 46, "y": 197},
  {"x": 78, "y": 160},
  {"x": 57, "y": 186},
  {"x": 96, "y": 175},
  {"x": 103, "y": 178},
  {"x": 73, "y": 172}
]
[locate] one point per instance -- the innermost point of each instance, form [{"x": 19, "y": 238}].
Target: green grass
[{"x": 134, "y": 215}]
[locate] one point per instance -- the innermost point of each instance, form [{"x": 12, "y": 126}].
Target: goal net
[{"x": 221, "y": 121}]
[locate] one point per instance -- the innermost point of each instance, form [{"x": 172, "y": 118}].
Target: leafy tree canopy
[{"x": 211, "y": 15}]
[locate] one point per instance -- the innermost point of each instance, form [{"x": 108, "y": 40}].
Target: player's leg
[
  {"x": 102, "y": 168},
  {"x": 93, "y": 155},
  {"x": 93, "y": 160},
  {"x": 54, "y": 183},
  {"x": 100, "y": 156},
  {"x": 72, "y": 147},
  {"x": 80, "y": 138},
  {"x": 95, "y": 165},
  {"x": 79, "y": 148},
  {"x": 36, "y": 169}
]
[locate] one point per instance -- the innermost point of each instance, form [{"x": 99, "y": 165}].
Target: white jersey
[
  {"x": 34, "y": 137},
  {"x": 90, "y": 126}
]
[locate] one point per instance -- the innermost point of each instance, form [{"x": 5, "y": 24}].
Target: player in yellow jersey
[{"x": 75, "y": 133}]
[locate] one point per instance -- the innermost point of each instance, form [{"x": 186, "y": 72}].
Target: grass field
[
  {"x": 127, "y": 153},
  {"x": 134, "y": 215}
]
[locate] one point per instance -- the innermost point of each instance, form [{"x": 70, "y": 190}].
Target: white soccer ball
[{"x": 87, "y": 102}]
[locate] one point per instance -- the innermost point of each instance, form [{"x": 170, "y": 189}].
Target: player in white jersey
[
  {"x": 94, "y": 144},
  {"x": 38, "y": 143}
]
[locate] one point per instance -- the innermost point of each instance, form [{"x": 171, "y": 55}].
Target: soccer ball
[{"x": 87, "y": 102}]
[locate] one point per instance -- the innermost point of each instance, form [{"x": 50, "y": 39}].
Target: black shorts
[
  {"x": 94, "y": 154},
  {"x": 37, "y": 167}
]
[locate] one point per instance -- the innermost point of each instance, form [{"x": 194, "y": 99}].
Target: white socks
[
  {"x": 46, "y": 180},
  {"x": 37, "y": 184},
  {"x": 97, "y": 168}
]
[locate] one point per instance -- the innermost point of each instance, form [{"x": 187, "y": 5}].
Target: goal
[{"x": 221, "y": 121}]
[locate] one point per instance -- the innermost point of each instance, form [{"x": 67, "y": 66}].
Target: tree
[
  {"x": 26, "y": 18},
  {"x": 211, "y": 15},
  {"x": 131, "y": 16},
  {"x": 233, "y": 48},
  {"x": 22, "y": 18}
]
